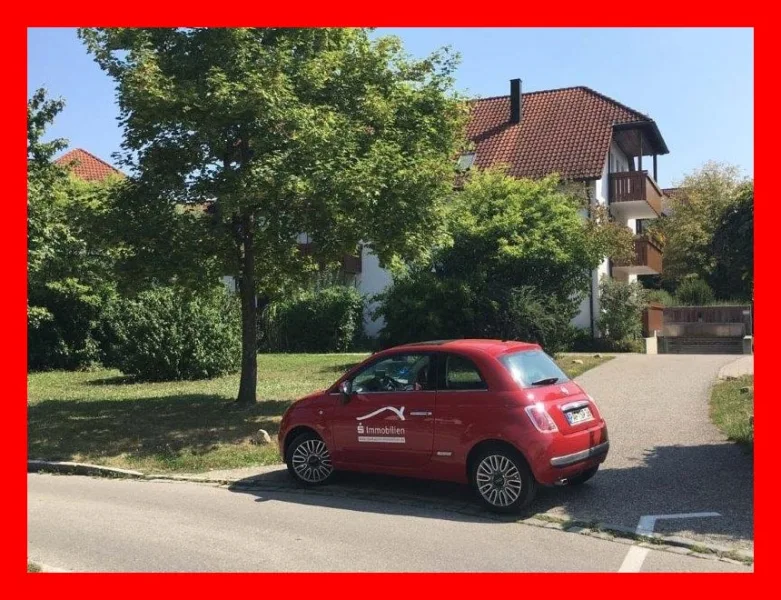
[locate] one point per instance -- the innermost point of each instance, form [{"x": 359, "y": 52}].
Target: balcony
[
  {"x": 634, "y": 195},
  {"x": 352, "y": 264},
  {"x": 647, "y": 259}
]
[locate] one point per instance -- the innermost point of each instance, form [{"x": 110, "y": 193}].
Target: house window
[{"x": 465, "y": 161}]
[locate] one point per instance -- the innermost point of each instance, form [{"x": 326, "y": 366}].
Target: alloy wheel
[
  {"x": 498, "y": 480},
  {"x": 312, "y": 461}
]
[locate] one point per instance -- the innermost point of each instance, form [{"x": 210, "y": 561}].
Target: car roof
[{"x": 488, "y": 346}]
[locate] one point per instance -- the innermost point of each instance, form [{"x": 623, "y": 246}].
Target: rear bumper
[
  {"x": 565, "y": 456},
  {"x": 576, "y": 457}
]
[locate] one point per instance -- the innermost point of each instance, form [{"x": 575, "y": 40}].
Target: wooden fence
[{"x": 703, "y": 321}]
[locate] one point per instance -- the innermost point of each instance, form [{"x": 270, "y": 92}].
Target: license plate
[{"x": 579, "y": 416}]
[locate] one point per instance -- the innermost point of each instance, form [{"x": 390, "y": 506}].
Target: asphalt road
[{"x": 86, "y": 524}]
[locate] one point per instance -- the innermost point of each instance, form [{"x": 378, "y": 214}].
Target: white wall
[
  {"x": 230, "y": 283},
  {"x": 372, "y": 280},
  {"x": 599, "y": 190}
]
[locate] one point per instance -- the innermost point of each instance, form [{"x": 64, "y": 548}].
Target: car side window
[
  {"x": 397, "y": 373},
  {"x": 462, "y": 374}
]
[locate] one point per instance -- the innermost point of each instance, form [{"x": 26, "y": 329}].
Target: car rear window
[{"x": 533, "y": 367}]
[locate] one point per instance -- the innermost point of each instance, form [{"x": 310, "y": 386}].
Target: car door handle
[{"x": 420, "y": 413}]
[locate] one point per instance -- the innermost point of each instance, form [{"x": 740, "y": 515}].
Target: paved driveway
[{"x": 665, "y": 454}]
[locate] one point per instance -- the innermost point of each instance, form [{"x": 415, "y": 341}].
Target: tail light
[{"x": 540, "y": 418}]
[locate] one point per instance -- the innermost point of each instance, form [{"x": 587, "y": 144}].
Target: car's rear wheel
[
  {"x": 308, "y": 460},
  {"x": 583, "y": 477},
  {"x": 502, "y": 479}
]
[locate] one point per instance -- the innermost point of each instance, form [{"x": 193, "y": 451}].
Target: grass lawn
[
  {"x": 574, "y": 364},
  {"x": 731, "y": 408},
  {"x": 104, "y": 418}
]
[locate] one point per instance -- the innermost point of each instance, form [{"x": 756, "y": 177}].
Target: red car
[{"x": 499, "y": 415}]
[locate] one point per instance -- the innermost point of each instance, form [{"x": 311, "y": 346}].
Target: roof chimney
[{"x": 516, "y": 102}]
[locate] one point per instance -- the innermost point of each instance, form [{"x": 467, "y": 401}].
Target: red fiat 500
[{"x": 499, "y": 415}]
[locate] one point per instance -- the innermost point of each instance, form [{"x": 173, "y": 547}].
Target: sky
[{"x": 697, "y": 84}]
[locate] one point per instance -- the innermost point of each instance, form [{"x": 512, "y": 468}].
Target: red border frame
[{"x": 403, "y": 13}]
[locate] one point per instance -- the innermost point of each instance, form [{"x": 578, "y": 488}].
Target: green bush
[
  {"x": 662, "y": 297},
  {"x": 622, "y": 305},
  {"x": 530, "y": 316},
  {"x": 167, "y": 334},
  {"x": 61, "y": 326},
  {"x": 426, "y": 307},
  {"x": 583, "y": 342},
  {"x": 694, "y": 292},
  {"x": 322, "y": 320}
]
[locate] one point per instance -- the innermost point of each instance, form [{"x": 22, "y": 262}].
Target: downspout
[{"x": 591, "y": 274}]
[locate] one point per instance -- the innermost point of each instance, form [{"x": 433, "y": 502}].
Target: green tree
[
  {"x": 705, "y": 196},
  {"x": 68, "y": 269},
  {"x": 45, "y": 184},
  {"x": 285, "y": 131},
  {"x": 519, "y": 261},
  {"x": 509, "y": 232},
  {"x": 733, "y": 248},
  {"x": 622, "y": 304}
]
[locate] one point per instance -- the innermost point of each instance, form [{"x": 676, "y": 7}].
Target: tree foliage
[
  {"x": 705, "y": 197},
  {"x": 621, "y": 307},
  {"x": 733, "y": 246},
  {"x": 518, "y": 263},
  {"x": 283, "y": 131},
  {"x": 69, "y": 263}
]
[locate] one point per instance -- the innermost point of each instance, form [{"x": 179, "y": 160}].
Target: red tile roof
[
  {"x": 565, "y": 131},
  {"x": 87, "y": 166}
]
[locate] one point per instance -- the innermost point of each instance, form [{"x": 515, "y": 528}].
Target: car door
[
  {"x": 463, "y": 407},
  {"x": 389, "y": 417}
]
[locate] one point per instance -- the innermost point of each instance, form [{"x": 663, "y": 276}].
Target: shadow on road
[{"x": 668, "y": 480}]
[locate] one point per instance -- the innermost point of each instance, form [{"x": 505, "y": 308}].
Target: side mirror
[{"x": 346, "y": 389}]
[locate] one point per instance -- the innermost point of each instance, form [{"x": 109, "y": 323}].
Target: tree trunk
[{"x": 249, "y": 317}]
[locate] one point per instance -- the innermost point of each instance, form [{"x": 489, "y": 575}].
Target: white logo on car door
[{"x": 387, "y": 434}]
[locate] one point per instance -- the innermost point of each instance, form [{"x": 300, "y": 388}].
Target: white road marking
[
  {"x": 633, "y": 561},
  {"x": 648, "y": 522}
]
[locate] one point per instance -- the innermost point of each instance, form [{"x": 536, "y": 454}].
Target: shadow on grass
[
  {"x": 144, "y": 427},
  {"x": 116, "y": 380}
]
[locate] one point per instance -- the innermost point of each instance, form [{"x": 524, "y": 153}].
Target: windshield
[{"x": 532, "y": 368}]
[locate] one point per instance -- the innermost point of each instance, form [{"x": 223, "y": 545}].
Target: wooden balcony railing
[
  {"x": 351, "y": 264},
  {"x": 635, "y": 186},
  {"x": 647, "y": 254}
]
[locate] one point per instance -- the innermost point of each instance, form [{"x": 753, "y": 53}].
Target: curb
[
  {"x": 724, "y": 371},
  {"x": 74, "y": 468},
  {"x": 599, "y": 530}
]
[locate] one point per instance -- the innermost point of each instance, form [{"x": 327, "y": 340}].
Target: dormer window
[{"x": 465, "y": 161}]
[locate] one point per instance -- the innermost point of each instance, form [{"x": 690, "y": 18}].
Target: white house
[{"x": 583, "y": 136}]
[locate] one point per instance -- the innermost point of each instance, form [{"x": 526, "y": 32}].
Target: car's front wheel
[
  {"x": 502, "y": 479},
  {"x": 308, "y": 460}
]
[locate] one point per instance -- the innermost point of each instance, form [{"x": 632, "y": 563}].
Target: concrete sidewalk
[{"x": 742, "y": 366}]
